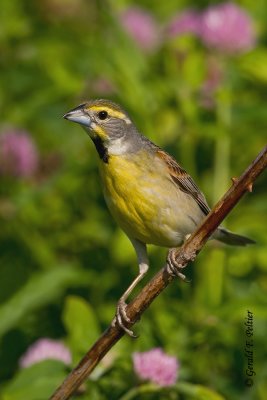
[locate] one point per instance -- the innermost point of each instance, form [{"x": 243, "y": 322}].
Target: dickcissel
[{"x": 149, "y": 194}]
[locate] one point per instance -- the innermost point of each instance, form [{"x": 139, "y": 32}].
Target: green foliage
[
  {"x": 35, "y": 382},
  {"x": 192, "y": 391},
  {"x": 64, "y": 263},
  {"x": 39, "y": 291},
  {"x": 81, "y": 325}
]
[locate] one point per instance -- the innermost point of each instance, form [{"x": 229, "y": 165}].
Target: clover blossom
[
  {"x": 227, "y": 28},
  {"x": 141, "y": 27},
  {"x": 156, "y": 366},
  {"x": 18, "y": 154},
  {"x": 187, "y": 21},
  {"x": 43, "y": 349}
]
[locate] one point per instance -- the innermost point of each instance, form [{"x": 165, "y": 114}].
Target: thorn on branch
[
  {"x": 250, "y": 187},
  {"x": 234, "y": 179}
]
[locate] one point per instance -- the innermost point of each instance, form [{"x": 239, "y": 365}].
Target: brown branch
[{"x": 157, "y": 284}]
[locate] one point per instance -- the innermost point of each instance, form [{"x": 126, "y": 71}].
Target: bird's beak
[{"x": 79, "y": 115}]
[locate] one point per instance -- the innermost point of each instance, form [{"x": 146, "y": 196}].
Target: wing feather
[{"x": 181, "y": 178}]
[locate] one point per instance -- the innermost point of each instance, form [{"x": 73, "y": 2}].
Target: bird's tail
[{"x": 231, "y": 238}]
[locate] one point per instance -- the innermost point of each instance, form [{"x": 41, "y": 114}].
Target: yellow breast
[
  {"x": 128, "y": 189},
  {"x": 145, "y": 202}
]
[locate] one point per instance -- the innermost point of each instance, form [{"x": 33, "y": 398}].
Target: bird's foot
[
  {"x": 121, "y": 318},
  {"x": 173, "y": 268}
]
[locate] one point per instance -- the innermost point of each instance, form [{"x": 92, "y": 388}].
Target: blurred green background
[{"x": 63, "y": 261}]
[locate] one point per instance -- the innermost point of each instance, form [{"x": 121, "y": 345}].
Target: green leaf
[
  {"x": 198, "y": 392},
  {"x": 81, "y": 324},
  {"x": 36, "y": 382},
  {"x": 43, "y": 288},
  {"x": 191, "y": 391},
  {"x": 255, "y": 64}
]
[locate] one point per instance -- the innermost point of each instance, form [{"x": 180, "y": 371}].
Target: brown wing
[{"x": 184, "y": 181}]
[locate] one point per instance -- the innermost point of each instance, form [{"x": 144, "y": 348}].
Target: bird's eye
[{"x": 102, "y": 115}]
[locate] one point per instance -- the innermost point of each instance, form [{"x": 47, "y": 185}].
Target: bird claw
[
  {"x": 173, "y": 268},
  {"x": 121, "y": 318}
]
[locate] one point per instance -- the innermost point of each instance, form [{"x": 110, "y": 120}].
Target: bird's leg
[
  {"x": 173, "y": 267},
  {"x": 121, "y": 316}
]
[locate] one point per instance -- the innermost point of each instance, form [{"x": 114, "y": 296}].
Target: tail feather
[{"x": 231, "y": 238}]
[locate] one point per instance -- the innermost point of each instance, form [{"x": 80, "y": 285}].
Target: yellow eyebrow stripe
[{"x": 111, "y": 112}]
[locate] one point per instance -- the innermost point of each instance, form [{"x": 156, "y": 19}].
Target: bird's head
[
  {"x": 102, "y": 119},
  {"x": 108, "y": 125}
]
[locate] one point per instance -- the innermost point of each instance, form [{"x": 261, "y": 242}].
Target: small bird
[{"x": 151, "y": 197}]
